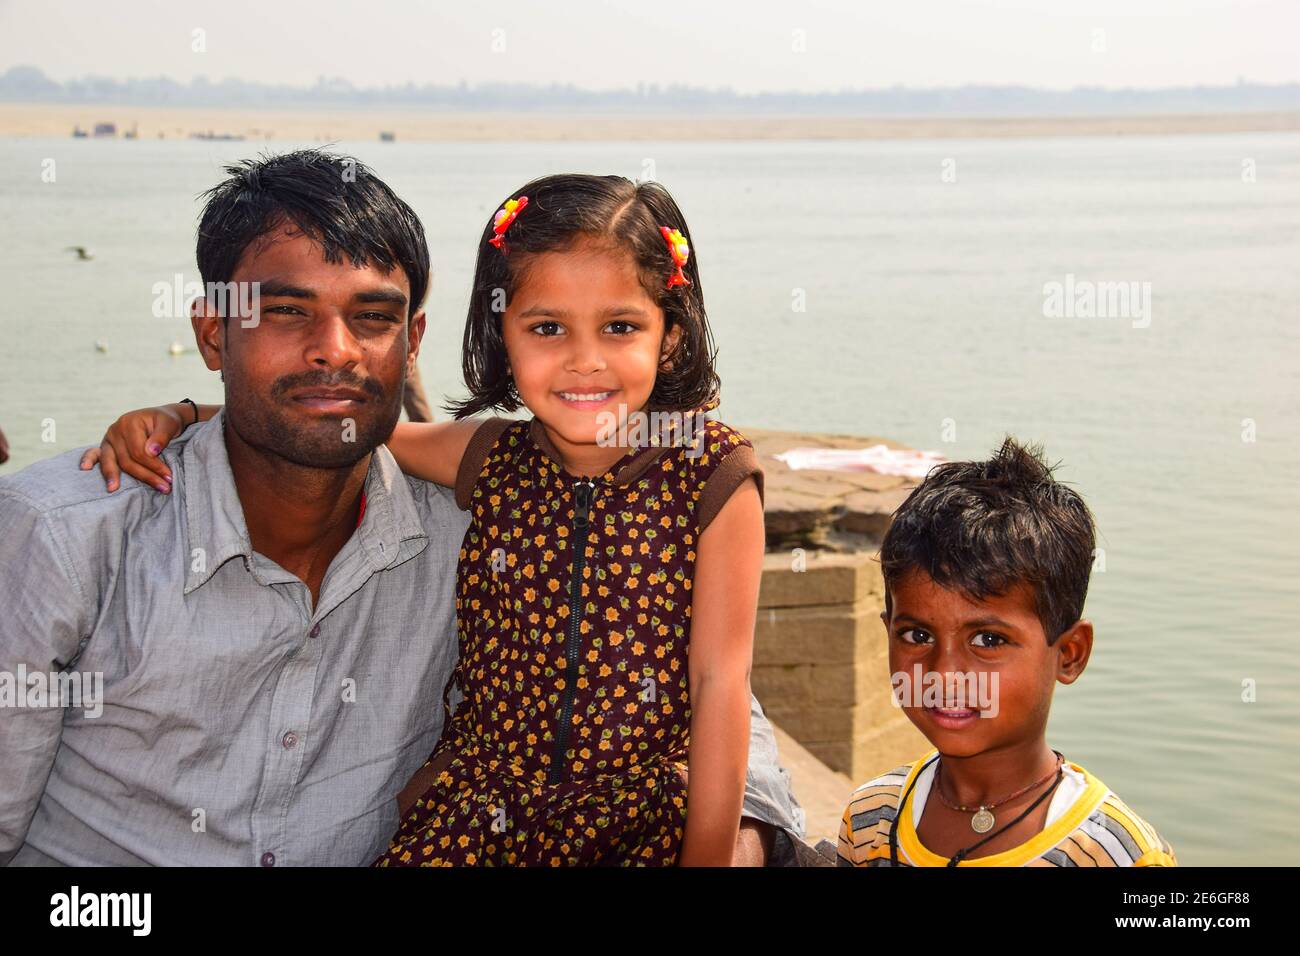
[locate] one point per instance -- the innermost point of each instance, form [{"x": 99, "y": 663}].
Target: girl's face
[{"x": 585, "y": 342}]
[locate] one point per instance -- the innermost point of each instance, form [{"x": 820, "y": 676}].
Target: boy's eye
[
  {"x": 914, "y": 635},
  {"x": 988, "y": 639},
  {"x": 546, "y": 328}
]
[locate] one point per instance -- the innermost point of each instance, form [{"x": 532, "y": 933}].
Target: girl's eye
[
  {"x": 547, "y": 328},
  {"x": 620, "y": 327},
  {"x": 989, "y": 639},
  {"x": 914, "y": 635}
]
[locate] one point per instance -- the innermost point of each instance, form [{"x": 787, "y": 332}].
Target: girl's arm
[
  {"x": 134, "y": 444},
  {"x": 432, "y": 450},
  {"x": 724, "y": 605}
]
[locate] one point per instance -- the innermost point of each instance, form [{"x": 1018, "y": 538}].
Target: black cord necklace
[{"x": 962, "y": 853}]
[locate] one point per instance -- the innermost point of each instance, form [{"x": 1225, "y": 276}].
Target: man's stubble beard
[{"x": 261, "y": 423}]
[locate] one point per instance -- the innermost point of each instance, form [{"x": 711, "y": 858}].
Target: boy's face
[{"x": 995, "y": 650}]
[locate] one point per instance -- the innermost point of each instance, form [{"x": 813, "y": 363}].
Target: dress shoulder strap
[
  {"x": 727, "y": 460},
  {"x": 480, "y": 446}
]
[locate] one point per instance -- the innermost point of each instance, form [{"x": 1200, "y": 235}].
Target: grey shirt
[{"x": 236, "y": 724}]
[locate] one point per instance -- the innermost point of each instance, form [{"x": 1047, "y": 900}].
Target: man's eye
[
  {"x": 547, "y": 328},
  {"x": 988, "y": 639},
  {"x": 914, "y": 635},
  {"x": 378, "y": 317},
  {"x": 282, "y": 310}
]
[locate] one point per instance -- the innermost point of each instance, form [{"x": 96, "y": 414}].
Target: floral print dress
[{"x": 574, "y": 614}]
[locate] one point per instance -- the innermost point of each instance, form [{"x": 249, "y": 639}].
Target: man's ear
[
  {"x": 414, "y": 335},
  {"x": 1073, "y": 648},
  {"x": 209, "y": 333}
]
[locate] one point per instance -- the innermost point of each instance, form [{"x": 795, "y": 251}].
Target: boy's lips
[{"x": 952, "y": 718}]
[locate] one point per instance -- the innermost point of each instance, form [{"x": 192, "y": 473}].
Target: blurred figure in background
[{"x": 413, "y": 400}]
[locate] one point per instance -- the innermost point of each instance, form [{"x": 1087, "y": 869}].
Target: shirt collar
[
  {"x": 214, "y": 516},
  {"x": 1031, "y": 849}
]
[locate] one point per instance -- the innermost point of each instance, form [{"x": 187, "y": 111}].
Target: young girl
[{"x": 606, "y": 588}]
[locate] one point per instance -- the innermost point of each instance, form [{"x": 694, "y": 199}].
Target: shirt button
[
  {"x": 290, "y": 740},
  {"x": 268, "y": 859},
  {"x": 314, "y": 632}
]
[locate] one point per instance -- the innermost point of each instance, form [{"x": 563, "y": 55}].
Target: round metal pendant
[{"x": 982, "y": 822}]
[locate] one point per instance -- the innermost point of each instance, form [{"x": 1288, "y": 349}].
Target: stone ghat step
[
  {"x": 822, "y": 792},
  {"x": 828, "y": 510}
]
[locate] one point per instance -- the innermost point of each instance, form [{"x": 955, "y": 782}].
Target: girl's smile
[
  {"x": 588, "y": 399},
  {"x": 584, "y": 339}
]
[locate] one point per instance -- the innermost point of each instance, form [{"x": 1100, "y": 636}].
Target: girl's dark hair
[
  {"x": 561, "y": 211},
  {"x": 335, "y": 199},
  {"x": 982, "y": 527}
]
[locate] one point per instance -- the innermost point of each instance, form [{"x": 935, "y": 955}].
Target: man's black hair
[
  {"x": 336, "y": 200},
  {"x": 982, "y": 527}
]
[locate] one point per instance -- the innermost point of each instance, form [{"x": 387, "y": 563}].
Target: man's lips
[{"x": 330, "y": 399}]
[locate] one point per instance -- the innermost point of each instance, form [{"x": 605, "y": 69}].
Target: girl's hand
[{"x": 134, "y": 444}]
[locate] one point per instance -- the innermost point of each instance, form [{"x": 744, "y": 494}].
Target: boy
[{"x": 986, "y": 568}]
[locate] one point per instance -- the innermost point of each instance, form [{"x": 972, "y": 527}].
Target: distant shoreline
[{"x": 29, "y": 120}]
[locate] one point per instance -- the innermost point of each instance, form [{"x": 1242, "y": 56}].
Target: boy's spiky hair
[{"x": 982, "y": 527}]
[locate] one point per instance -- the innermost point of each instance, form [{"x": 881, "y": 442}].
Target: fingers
[
  {"x": 139, "y": 451},
  {"x": 128, "y": 443},
  {"x": 141, "y": 471},
  {"x": 112, "y": 467},
  {"x": 108, "y": 466},
  {"x": 153, "y": 446},
  {"x": 133, "y": 444}
]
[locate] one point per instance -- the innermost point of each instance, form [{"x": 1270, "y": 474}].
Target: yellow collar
[{"x": 1026, "y": 852}]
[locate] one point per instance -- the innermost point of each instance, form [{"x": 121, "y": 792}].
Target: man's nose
[{"x": 332, "y": 344}]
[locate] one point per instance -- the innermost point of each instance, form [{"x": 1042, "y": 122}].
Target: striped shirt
[{"x": 1087, "y": 825}]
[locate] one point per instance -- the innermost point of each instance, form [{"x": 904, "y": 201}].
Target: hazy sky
[{"x": 751, "y": 45}]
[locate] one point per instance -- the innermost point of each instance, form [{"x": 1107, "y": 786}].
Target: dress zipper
[{"x": 582, "y": 494}]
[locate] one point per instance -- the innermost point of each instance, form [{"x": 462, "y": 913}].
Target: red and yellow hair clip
[
  {"x": 680, "y": 250},
  {"x": 503, "y": 218}
]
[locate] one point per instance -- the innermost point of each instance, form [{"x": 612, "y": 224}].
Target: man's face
[{"x": 318, "y": 378}]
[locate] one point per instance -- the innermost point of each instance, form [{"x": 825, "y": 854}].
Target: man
[{"x": 272, "y": 636}]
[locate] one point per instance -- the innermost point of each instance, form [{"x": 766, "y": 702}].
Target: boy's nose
[{"x": 945, "y": 659}]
